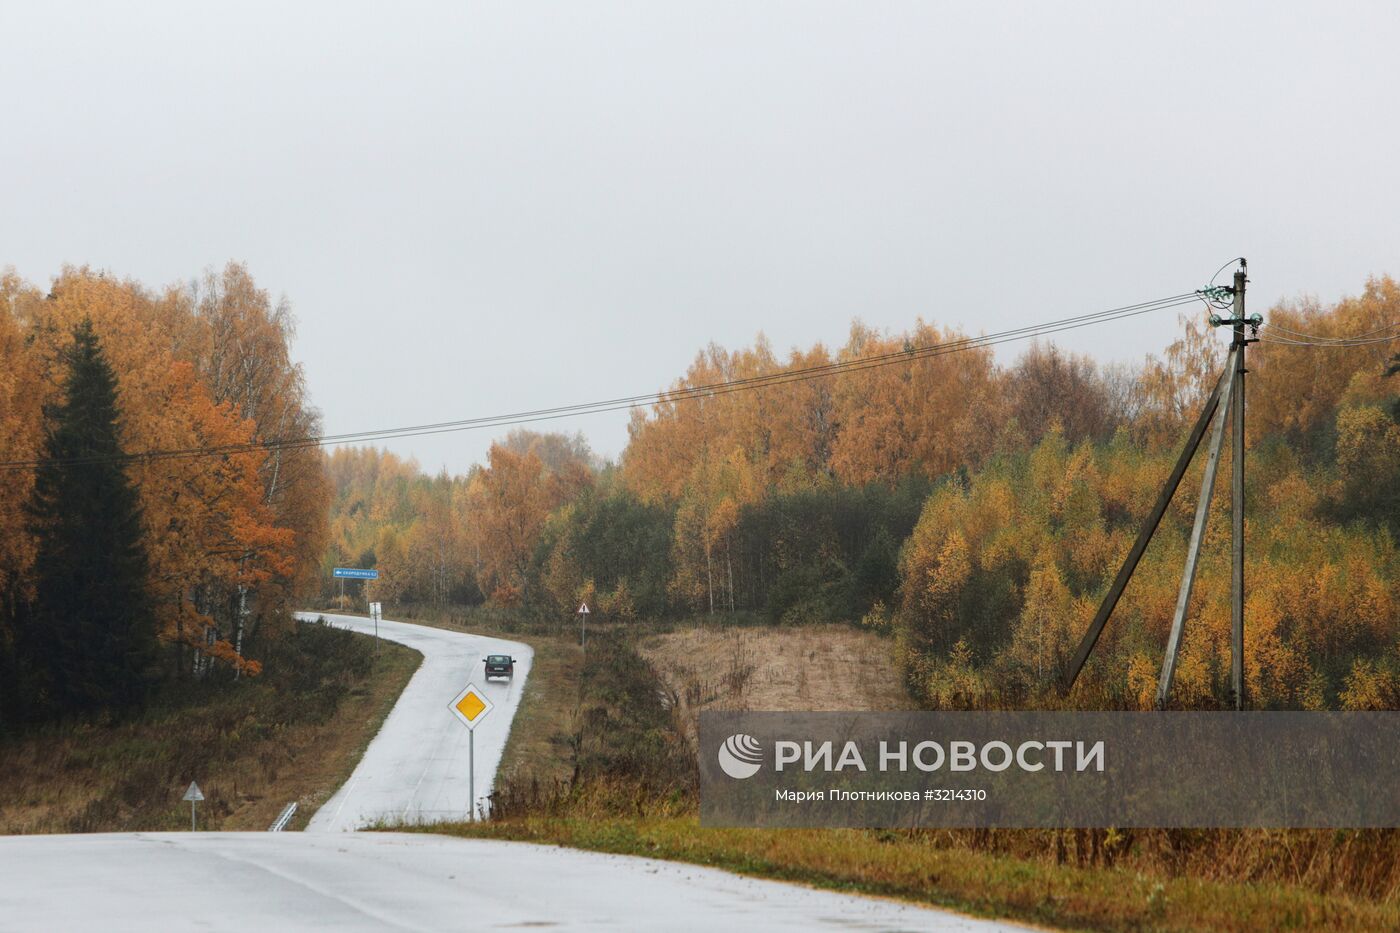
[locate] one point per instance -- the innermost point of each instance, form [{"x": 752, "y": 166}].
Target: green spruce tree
[
  {"x": 88, "y": 640},
  {"x": 12, "y": 697}
]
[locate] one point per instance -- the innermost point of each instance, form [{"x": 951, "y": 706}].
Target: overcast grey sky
[{"x": 486, "y": 207}]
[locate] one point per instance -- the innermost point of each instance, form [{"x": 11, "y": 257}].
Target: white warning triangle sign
[
  {"x": 194, "y": 793},
  {"x": 583, "y": 610}
]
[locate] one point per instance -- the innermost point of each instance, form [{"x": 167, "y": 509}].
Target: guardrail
[{"x": 284, "y": 818}]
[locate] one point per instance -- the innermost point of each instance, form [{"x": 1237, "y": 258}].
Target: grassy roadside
[
  {"x": 330, "y": 756},
  {"x": 294, "y": 733},
  {"x": 539, "y": 745},
  {"x": 905, "y": 867}
]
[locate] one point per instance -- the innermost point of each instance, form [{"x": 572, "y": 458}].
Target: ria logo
[{"x": 740, "y": 756}]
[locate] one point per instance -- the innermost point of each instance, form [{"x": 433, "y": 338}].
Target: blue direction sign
[{"x": 355, "y": 573}]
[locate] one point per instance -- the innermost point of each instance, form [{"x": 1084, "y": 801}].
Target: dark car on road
[{"x": 500, "y": 665}]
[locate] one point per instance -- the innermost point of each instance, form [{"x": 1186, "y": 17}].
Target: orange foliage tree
[
  {"x": 21, "y": 399},
  {"x": 219, "y": 529},
  {"x": 510, "y": 502}
]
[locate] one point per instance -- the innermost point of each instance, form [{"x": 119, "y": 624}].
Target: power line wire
[
  {"x": 683, "y": 393},
  {"x": 1284, "y": 341},
  {"x": 678, "y": 394},
  {"x": 1325, "y": 339},
  {"x": 1224, "y": 267}
]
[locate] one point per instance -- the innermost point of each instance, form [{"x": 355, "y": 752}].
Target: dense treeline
[
  {"x": 442, "y": 540},
  {"x": 125, "y": 571},
  {"x": 975, "y": 512}
]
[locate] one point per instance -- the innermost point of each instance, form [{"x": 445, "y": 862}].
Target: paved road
[
  {"x": 393, "y": 881},
  {"x": 416, "y": 767}
]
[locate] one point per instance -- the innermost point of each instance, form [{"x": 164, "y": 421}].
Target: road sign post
[
  {"x": 193, "y": 794},
  {"x": 353, "y": 573},
  {"x": 583, "y": 627},
  {"x": 471, "y": 706}
]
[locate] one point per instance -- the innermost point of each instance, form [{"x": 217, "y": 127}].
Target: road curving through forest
[{"x": 416, "y": 769}]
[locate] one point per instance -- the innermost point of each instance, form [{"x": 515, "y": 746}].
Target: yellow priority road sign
[{"x": 471, "y": 706}]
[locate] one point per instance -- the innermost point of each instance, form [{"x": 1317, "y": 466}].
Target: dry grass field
[{"x": 923, "y": 869}]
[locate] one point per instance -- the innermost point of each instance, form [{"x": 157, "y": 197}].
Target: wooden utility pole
[
  {"x": 1144, "y": 538},
  {"x": 1237, "y": 495},
  {"x": 1198, "y": 535},
  {"x": 1227, "y": 396}
]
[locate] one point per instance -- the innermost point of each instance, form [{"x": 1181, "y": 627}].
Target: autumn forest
[{"x": 970, "y": 510}]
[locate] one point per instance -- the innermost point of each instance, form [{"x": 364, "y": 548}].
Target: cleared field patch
[{"x": 776, "y": 668}]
